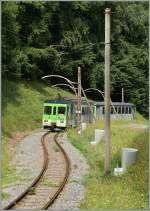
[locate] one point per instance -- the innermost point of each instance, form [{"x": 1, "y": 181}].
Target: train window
[
  {"x": 83, "y": 110},
  {"x": 103, "y": 110},
  {"x": 123, "y": 110},
  {"x": 54, "y": 110},
  {"x": 68, "y": 109},
  {"x": 61, "y": 110},
  {"x": 100, "y": 110},
  {"x": 119, "y": 110},
  {"x": 130, "y": 110},
  {"x": 72, "y": 109},
  {"x": 48, "y": 110},
  {"x": 112, "y": 110}
]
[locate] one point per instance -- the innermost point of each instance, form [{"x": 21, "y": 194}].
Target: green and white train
[{"x": 61, "y": 113}]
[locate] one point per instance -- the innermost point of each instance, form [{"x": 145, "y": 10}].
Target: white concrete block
[
  {"x": 98, "y": 135},
  {"x": 83, "y": 126},
  {"x": 93, "y": 142},
  {"x": 118, "y": 171}
]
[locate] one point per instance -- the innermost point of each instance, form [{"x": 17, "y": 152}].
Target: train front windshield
[
  {"x": 48, "y": 110},
  {"x": 62, "y": 110},
  {"x": 55, "y": 110}
]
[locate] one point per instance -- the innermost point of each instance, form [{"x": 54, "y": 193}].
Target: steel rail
[
  {"x": 41, "y": 174},
  {"x": 33, "y": 184},
  {"x": 62, "y": 185}
]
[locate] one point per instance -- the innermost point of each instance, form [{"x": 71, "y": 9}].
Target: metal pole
[
  {"x": 107, "y": 93},
  {"x": 79, "y": 102},
  {"x": 122, "y": 95},
  {"x": 90, "y": 107}
]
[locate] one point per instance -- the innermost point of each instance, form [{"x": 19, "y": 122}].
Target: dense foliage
[{"x": 40, "y": 38}]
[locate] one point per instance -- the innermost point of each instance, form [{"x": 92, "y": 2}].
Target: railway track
[{"x": 49, "y": 183}]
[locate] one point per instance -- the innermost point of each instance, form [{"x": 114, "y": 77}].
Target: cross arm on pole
[
  {"x": 59, "y": 76},
  {"x": 72, "y": 87}
]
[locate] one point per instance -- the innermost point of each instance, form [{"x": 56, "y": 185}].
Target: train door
[{"x": 68, "y": 116}]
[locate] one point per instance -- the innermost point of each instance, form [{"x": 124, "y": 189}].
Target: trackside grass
[
  {"x": 22, "y": 104},
  {"x": 129, "y": 191}
]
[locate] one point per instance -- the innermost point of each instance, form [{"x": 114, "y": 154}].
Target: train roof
[
  {"x": 115, "y": 104},
  {"x": 59, "y": 101},
  {"x": 68, "y": 101},
  {"x": 74, "y": 100}
]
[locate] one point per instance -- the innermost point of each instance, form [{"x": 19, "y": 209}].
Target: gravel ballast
[
  {"x": 74, "y": 191},
  {"x": 28, "y": 161}
]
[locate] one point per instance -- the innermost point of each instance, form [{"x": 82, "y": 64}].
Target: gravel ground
[
  {"x": 74, "y": 191},
  {"x": 30, "y": 149},
  {"x": 27, "y": 162}
]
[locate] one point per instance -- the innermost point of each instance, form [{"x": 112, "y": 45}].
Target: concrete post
[
  {"x": 99, "y": 134},
  {"x": 79, "y": 102},
  {"x": 107, "y": 92},
  {"x": 122, "y": 95}
]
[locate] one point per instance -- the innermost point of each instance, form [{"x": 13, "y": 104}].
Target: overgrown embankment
[
  {"x": 129, "y": 191},
  {"x": 22, "y": 107}
]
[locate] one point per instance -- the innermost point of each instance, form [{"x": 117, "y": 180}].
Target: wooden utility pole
[
  {"x": 122, "y": 95},
  {"x": 79, "y": 102},
  {"x": 107, "y": 93}
]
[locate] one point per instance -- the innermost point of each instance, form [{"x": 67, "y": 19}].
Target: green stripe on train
[{"x": 54, "y": 117}]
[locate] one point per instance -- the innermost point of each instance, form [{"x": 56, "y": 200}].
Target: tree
[{"x": 40, "y": 38}]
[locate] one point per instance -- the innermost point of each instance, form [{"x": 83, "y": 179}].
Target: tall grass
[{"x": 129, "y": 191}]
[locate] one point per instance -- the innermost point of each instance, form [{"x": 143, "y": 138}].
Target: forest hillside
[{"x": 40, "y": 38}]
